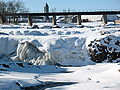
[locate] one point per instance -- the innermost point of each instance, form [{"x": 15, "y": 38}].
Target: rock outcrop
[{"x": 105, "y": 49}]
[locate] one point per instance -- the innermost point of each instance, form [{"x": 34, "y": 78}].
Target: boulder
[{"x": 35, "y": 27}]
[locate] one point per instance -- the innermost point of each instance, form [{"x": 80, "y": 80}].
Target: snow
[
  {"x": 98, "y": 77},
  {"x": 99, "y": 17},
  {"x": 23, "y": 73},
  {"x": 64, "y": 46}
]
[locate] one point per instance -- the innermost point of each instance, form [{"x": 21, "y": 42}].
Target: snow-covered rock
[{"x": 105, "y": 49}]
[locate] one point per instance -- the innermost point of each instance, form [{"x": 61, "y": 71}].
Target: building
[{"x": 46, "y": 10}]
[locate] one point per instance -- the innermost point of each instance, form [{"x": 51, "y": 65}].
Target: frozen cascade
[
  {"x": 52, "y": 51},
  {"x": 8, "y": 47},
  {"x": 67, "y": 51}
]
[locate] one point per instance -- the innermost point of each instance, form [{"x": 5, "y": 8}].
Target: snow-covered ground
[
  {"x": 64, "y": 46},
  {"x": 18, "y": 75},
  {"x": 92, "y": 77}
]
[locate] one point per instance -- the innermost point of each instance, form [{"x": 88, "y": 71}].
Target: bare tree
[
  {"x": 3, "y": 6},
  {"x": 16, "y": 7},
  {"x": 2, "y": 11},
  {"x": 11, "y": 7}
]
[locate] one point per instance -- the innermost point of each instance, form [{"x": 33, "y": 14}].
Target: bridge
[{"x": 54, "y": 14}]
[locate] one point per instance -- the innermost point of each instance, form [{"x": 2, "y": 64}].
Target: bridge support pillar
[
  {"x": 79, "y": 20},
  {"x": 65, "y": 19},
  {"x": 105, "y": 18},
  {"x": 54, "y": 20},
  {"x": 29, "y": 20}
]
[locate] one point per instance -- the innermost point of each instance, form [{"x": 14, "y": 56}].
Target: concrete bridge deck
[
  {"x": 54, "y": 14},
  {"x": 63, "y": 13}
]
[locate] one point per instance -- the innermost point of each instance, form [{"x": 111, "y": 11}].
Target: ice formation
[
  {"x": 60, "y": 50},
  {"x": 28, "y": 52},
  {"x": 8, "y": 47},
  {"x": 67, "y": 51}
]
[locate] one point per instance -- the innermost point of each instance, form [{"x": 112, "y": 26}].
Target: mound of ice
[
  {"x": 17, "y": 33},
  {"x": 28, "y": 52},
  {"x": 37, "y": 33},
  {"x": 36, "y": 43},
  {"x": 27, "y": 32}
]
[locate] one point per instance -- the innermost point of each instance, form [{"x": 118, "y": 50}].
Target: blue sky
[{"x": 77, "y": 5}]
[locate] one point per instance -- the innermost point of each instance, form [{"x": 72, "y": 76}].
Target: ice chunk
[{"x": 27, "y": 51}]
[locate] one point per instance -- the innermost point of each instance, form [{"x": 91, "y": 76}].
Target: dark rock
[
  {"x": 117, "y": 43},
  {"x": 30, "y": 63},
  {"x": 20, "y": 64},
  {"x": 56, "y": 26},
  {"x": 2, "y": 33},
  {"x": 35, "y": 27},
  {"x": 2, "y": 69},
  {"x": 6, "y": 66}
]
